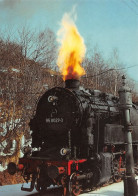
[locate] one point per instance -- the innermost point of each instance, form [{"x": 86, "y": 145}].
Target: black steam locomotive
[{"x": 79, "y": 137}]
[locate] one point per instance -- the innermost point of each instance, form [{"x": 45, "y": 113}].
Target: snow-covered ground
[{"x": 115, "y": 189}]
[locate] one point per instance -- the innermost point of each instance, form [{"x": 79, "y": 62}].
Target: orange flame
[{"x": 71, "y": 51}]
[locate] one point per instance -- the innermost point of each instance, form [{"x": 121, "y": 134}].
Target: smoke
[
  {"x": 9, "y": 3},
  {"x": 26, "y": 9},
  {"x": 70, "y": 18}
]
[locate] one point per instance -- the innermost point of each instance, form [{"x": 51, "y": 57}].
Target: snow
[
  {"x": 116, "y": 189},
  {"x": 16, "y": 70},
  {"x": 12, "y": 150},
  {"x": 2, "y": 168},
  {"x": 14, "y": 190}
]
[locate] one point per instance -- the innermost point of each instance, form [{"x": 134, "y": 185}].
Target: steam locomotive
[{"x": 79, "y": 137}]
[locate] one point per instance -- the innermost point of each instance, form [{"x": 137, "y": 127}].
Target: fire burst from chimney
[{"x": 72, "y": 49}]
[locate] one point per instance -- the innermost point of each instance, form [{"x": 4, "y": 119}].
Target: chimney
[{"x": 72, "y": 84}]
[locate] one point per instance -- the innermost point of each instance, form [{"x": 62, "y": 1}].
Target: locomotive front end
[{"x": 58, "y": 117}]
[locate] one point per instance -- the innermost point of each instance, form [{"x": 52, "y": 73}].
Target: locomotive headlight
[
  {"x": 65, "y": 151},
  {"x": 52, "y": 98}
]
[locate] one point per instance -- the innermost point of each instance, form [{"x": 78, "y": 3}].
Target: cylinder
[
  {"x": 84, "y": 176},
  {"x": 54, "y": 171}
]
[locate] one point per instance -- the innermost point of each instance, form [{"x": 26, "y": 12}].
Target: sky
[{"x": 108, "y": 24}]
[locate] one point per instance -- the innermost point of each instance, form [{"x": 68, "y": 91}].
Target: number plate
[{"x": 54, "y": 120}]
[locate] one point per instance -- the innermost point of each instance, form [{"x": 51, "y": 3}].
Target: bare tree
[
  {"x": 24, "y": 76},
  {"x": 102, "y": 74}
]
